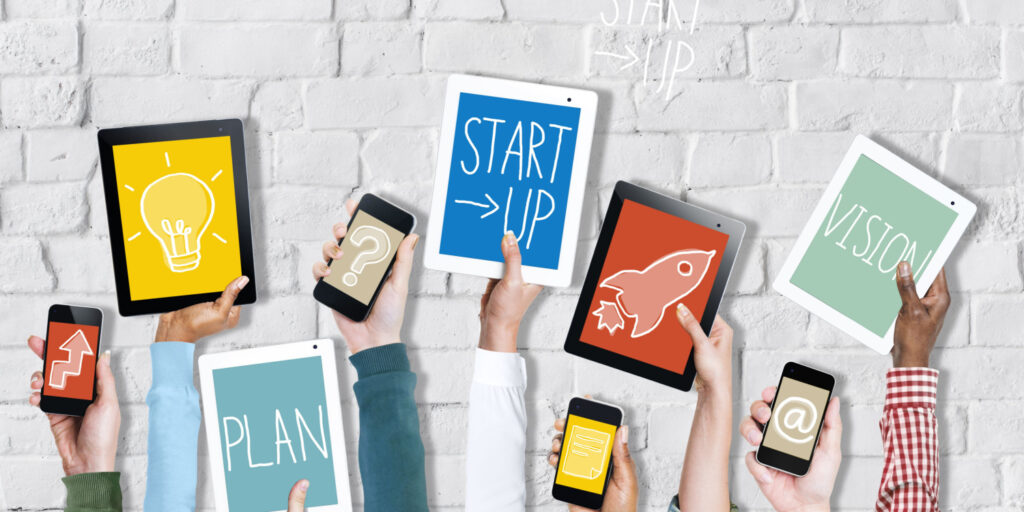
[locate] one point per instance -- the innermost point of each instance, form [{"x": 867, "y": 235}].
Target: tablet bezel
[
  {"x": 284, "y": 352},
  {"x": 863, "y": 146},
  {"x": 707, "y": 219},
  {"x": 110, "y": 137},
  {"x": 586, "y": 101}
]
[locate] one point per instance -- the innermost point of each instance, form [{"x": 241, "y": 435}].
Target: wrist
[
  {"x": 910, "y": 360},
  {"x": 170, "y": 329},
  {"x": 498, "y": 337}
]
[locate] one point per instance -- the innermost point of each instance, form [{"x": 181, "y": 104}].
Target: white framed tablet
[
  {"x": 512, "y": 156},
  {"x": 273, "y": 417},
  {"x": 877, "y": 211}
]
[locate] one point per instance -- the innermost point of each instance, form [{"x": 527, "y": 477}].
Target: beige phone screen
[
  {"x": 367, "y": 250},
  {"x": 798, "y": 411}
]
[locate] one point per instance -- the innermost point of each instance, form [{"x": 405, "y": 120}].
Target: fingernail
[
  {"x": 752, "y": 437},
  {"x": 763, "y": 414},
  {"x": 415, "y": 240},
  {"x": 304, "y": 485},
  {"x": 624, "y": 434},
  {"x": 106, "y": 354},
  {"x": 35, "y": 378},
  {"x": 682, "y": 310},
  {"x": 242, "y": 281},
  {"x": 508, "y": 238},
  {"x": 904, "y": 269}
]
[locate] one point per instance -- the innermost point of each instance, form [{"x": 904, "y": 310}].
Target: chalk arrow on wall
[
  {"x": 77, "y": 348},
  {"x": 493, "y": 206},
  {"x": 631, "y": 53}
]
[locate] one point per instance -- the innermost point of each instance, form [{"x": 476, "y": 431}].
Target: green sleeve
[
  {"x": 93, "y": 492},
  {"x": 391, "y": 458}
]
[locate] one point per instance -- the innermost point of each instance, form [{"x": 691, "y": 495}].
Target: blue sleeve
[
  {"x": 391, "y": 459},
  {"x": 174, "y": 419}
]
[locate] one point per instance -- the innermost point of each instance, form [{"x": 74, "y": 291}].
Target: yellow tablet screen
[{"x": 178, "y": 217}]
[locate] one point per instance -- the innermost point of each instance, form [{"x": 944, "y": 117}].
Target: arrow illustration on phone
[{"x": 77, "y": 347}]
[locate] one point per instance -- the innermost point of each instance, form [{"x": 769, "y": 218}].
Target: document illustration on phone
[{"x": 587, "y": 450}]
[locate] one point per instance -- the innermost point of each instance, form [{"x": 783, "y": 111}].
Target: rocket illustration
[{"x": 644, "y": 295}]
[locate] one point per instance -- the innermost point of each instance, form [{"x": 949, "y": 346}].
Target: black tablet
[
  {"x": 178, "y": 210},
  {"x": 654, "y": 252}
]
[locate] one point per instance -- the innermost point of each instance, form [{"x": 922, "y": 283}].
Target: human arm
[
  {"x": 496, "y": 472},
  {"x": 390, "y": 447},
  {"x": 704, "y": 481},
  {"x": 174, "y": 416},
  {"x": 910, "y": 477},
  {"x": 87, "y": 445}
]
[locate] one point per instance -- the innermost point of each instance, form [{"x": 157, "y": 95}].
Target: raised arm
[
  {"x": 910, "y": 478},
  {"x": 391, "y": 455},
  {"x": 496, "y": 471},
  {"x": 173, "y": 402}
]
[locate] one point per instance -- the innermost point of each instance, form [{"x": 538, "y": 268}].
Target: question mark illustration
[{"x": 363, "y": 237}]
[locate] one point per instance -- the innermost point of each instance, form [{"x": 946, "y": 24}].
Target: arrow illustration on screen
[
  {"x": 494, "y": 206},
  {"x": 77, "y": 348}
]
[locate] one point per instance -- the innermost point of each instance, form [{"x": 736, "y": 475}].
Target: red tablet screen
[{"x": 655, "y": 260}]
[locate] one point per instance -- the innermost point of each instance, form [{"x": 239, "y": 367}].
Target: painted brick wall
[{"x": 343, "y": 98}]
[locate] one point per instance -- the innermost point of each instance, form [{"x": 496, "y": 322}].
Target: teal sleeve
[
  {"x": 391, "y": 459},
  {"x": 93, "y": 492},
  {"x": 173, "y": 429}
]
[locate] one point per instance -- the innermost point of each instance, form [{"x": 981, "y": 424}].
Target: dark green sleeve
[
  {"x": 391, "y": 460},
  {"x": 93, "y": 492}
]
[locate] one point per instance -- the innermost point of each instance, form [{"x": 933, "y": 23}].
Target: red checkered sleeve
[{"x": 910, "y": 480}]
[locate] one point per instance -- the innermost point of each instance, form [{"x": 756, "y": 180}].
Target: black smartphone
[
  {"x": 791, "y": 434},
  {"x": 368, "y": 252},
  {"x": 69, "y": 359},
  {"x": 585, "y": 460}
]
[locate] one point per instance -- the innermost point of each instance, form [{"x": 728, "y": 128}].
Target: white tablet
[
  {"x": 513, "y": 156},
  {"x": 877, "y": 211},
  {"x": 273, "y": 417}
]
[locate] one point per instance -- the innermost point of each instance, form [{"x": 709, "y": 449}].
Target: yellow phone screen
[
  {"x": 586, "y": 451},
  {"x": 178, "y": 216}
]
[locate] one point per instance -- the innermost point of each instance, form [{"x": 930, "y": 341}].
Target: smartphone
[
  {"x": 368, "y": 253},
  {"x": 69, "y": 359},
  {"x": 798, "y": 409},
  {"x": 585, "y": 460}
]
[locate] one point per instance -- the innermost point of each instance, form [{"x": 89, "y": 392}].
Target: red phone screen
[{"x": 70, "y": 370}]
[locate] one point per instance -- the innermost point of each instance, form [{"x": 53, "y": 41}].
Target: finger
[
  {"x": 350, "y": 207},
  {"x": 513, "y": 259},
  {"x": 36, "y": 382},
  {"x": 768, "y": 394},
  {"x": 320, "y": 270},
  {"x": 34, "y": 398},
  {"x": 760, "y": 473},
  {"x": 330, "y": 251},
  {"x": 553, "y": 460},
  {"x": 938, "y": 295},
  {"x": 692, "y": 327},
  {"x": 907, "y": 288},
  {"x": 340, "y": 230},
  {"x": 297, "y": 496},
  {"x": 751, "y": 431},
  {"x": 486, "y": 297},
  {"x": 230, "y": 294},
  {"x": 36, "y": 344},
  {"x": 721, "y": 333},
  {"x": 234, "y": 316},
  {"x": 760, "y": 411},
  {"x": 832, "y": 430},
  {"x": 403, "y": 262},
  {"x": 106, "y": 389},
  {"x": 556, "y": 445},
  {"x": 560, "y": 425},
  {"x": 623, "y": 461}
]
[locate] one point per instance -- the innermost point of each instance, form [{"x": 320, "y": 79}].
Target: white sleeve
[{"x": 496, "y": 450}]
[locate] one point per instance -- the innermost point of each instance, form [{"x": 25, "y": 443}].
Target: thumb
[
  {"x": 106, "y": 389},
  {"x": 832, "y": 430},
  {"x": 230, "y": 295},
  {"x": 692, "y": 326},
  {"x": 625, "y": 471},
  {"x": 763, "y": 475},
  {"x": 907, "y": 288},
  {"x": 297, "y": 496},
  {"x": 513, "y": 259}
]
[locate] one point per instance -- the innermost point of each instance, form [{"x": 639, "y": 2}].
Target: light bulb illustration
[{"x": 177, "y": 209}]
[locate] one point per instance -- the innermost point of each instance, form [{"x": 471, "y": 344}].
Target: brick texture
[{"x": 343, "y": 97}]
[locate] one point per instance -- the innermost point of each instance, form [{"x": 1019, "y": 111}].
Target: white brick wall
[{"x": 329, "y": 89}]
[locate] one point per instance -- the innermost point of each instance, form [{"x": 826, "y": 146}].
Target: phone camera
[
  {"x": 220, "y": 129},
  {"x": 314, "y": 347},
  {"x": 790, "y": 370}
]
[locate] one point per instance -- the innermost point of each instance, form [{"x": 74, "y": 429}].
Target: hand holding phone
[
  {"x": 378, "y": 320},
  {"x": 595, "y": 470},
  {"x": 86, "y": 444},
  {"x": 783, "y": 488}
]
